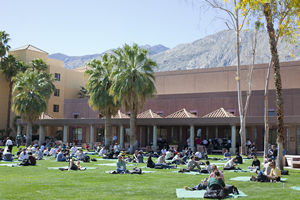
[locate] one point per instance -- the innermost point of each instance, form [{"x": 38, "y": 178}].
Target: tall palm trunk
[
  {"x": 29, "y": 133},
  {"x": 278, "y": 83},
  {"x": 9, "y": 104},
  {"x": 108, "y": 132},
  {"x": 133, "y": 115}
]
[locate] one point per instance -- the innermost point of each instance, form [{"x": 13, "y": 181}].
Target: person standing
[
  {"x": 19, "y": 140},
  {"x": 115, "y": 139},
  {"x": 9, "y": 144}
]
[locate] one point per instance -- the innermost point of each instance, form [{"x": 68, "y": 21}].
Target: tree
[
  {"x": 83, "y": 92},
  {"x": 235, "y": 24},
  {"x": 98, "y": 87},
  {"x": 33, "y": 89},
  {"x": 39, "y": 65},
  {"x": 9, "y": 67},
  {"x": 283, "y": 14},
  {"x": 133, "y": 82},
  {"x": 4, "y": 47}
]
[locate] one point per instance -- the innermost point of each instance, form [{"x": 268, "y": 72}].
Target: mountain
[
  {"x": 72, "y": 62},
  {"x": 217, "y": 50}
]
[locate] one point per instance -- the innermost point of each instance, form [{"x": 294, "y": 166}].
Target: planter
[{"x": 175, "y": 146}]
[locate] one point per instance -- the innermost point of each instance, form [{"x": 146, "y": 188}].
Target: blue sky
[{"x": 87, "y": 27}]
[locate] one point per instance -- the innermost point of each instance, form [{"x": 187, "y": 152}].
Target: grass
[{"x": 38, "y": 182}]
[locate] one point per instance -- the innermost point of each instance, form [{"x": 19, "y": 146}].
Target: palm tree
[
  {"x": 4, "y": 47},
  {"x": 83, "y": 92},
  {"x": 33, "y": 89},
  {"x": 39, "y": 65},
  {"x": 98, "y": 87},
  {"x": 9, "y": 67},
  {"x": 133, "y": 82}
]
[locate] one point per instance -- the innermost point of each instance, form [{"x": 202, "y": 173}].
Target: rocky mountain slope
[{"x": 216, "y": 50}]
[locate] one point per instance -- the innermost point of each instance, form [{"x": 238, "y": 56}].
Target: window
[
  {"x": 271, "y": 112},
  {"x": 57, "y": 76},
  {"x": 56, "y": 93},
  {"x": 55, "y": 108},
  {"x": 76, "y": 115}
]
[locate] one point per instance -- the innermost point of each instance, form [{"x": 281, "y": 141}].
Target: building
[
  {"x": 199, "y": 102},
  {"x": 67, "y": 85}
]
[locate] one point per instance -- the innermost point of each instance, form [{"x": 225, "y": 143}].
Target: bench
[
  {"x": 219, "y": 151},
  {"x": 295, "y": 163}
]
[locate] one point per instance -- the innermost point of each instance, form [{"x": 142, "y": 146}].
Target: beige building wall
[
  {"x": 68, "y": 85},
  {"x": 223, "y": 79}
]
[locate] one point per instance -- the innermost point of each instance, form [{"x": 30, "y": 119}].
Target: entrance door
[
  {"x": 77, "y": 135},
  {"x": 100, "y": 135},
  {"x": 272, "y": 136}
]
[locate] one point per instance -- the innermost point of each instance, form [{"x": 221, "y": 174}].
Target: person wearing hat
[{"x": 121, "y": 165}]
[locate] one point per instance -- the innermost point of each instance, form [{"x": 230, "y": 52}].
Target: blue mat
[{"x": 295, "y": 188}]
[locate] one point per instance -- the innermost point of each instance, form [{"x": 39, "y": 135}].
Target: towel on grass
[
  {"x": 11, "y": 161},
  {"x": 15, "y": 165},
  {"x": 247, "y": 170},
  {"x": 114, "y": 164},
  {"x": 192, "y": 173},
  {"x": 247, "y": 178},
  {"x": 182, "y": 193},
  {"x": 295, "y": 188},
  {"x": 68, "y": 167},
  {"x": 107, "y": 159},
  {"x": 91, "y": 153}
]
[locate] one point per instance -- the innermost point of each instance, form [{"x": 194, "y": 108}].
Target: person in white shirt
[
  {"x": 115, "y": 138},
  {"x": 117, "y": 148},
  {"x": 230, "y": 165},
  {"x": 42, "y": 147},
  {"x": 39, "y": 154},
  {"x": 205, "y": 142},
  {"x": 33, "y": 149},
  {"x": 169, "y": 155},
  {"x": 164, "y": 150},
  {"x": 198, "y": 154},
  {"x": 102, "y": 151},
  {"x": 73, "y": 149},
  {"x": 46, "y": 152},
  {"x": 9, "y": 144},
  {"x": 24, "y": 154}
]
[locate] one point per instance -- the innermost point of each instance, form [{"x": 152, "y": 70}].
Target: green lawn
[{"x": 38, "y": 182}]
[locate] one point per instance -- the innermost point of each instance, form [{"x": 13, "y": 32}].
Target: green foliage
[
  {"x": 33, "y": 89},
  {"x": 4, "y": 47},
  {"x": 11, "y": 66},
  {"x": 39, "y": 65},
  {"x": 99, "y": 84},
  {"x": 83, "y": 93},
  {"x": 133, "y": 79},
  {"x": 59, "y": 134}
]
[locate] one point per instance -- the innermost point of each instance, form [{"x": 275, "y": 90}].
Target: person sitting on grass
[
  {"x": 19, "y": 152},
  {"x": 208, "y": 166},
  {"x": 192, "y": 164},
  {"x": 204, "y": 154},
  {"x": 73, "y": 166},
  {"x": 23, "y": 155},
  {"x": 140, "y": 157},
  {"x": 239, "y": 158},
  {"x": 210, "y": 147},
  {"x": 121, "y": 165},
  {"x": 255, "y": 164},
  {"x": 177, "y": 160},
  {"x": 274, "y": 175},
  {"x": 60, "y": 156},
  {"x": 230, "y": 165},
  {"x": 198, "y": 155},
  {"x": 46, "y": 152},
  {"x": 102, "y": 152},
  {"x": 80, "y": 155},
  {"x": 99, "y": 147},
  {"x": 8, "y": 156},
  {"x": 88, "y": 147},
  {"x": 31, "y": 159},
  {"x": 216, "y": 182},
  {"x": 213, "y": 170},
  {"x": 74, "y": 149},
  {"x": 252, "y": 154},
  {"x": 169, "y": 155},
  {"x": 267, "y": 169},
  {"x": 161, "y": 162},
  {"x": 39, "y": 154},
  {"x": 1, "y": 153},
  {"x": 227, "y": 155}
]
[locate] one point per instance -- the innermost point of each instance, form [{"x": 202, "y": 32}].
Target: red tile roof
[
  {"x": 221, "y": 112},
  {"x": 183, "y": 113},
  {"x": 46, "y": 116},
  {"x": 120, "y": 115},
  {"x": 148, "y": 114}
]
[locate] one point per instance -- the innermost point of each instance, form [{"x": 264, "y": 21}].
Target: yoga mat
[
  {"x": 10, "y": 161},
  {"x": 295, "y": 188},
  {"x": 114, "y": 164},
  {"x": 191, "y": 173},
  {"x": 239, "y": 170},
  {"x": 247, "y": 178},
  {"x": 107, "y": 159},
  {"x": 15, "y": 165},
  {"x": 67, "y": 167},
  {"x": 91, "y": 153},
  {"x": 144, "y": 172},
  {"x": 182, "y": 193}
]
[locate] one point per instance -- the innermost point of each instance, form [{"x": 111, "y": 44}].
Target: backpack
[
  {"x": 182, "y": 170},
  {"x": 262, "y": 178},
  {"x": 25, "y": 162},
  {"x": 136, "y": 170},
  {"x": 86, "y": 159},
  {"x": 214, "y": 158},
  {"x": 94, "y": 159},
  {"x": 204, "y": 171},
  {"x": 158, "y": 167},
  {"x": 232, "y": 189},
  {"x": 150, "y": 163},
  {"x": 202, "y": 163},
  {"x": 284, "y": 172},
  {"x": 216, "y": 194}
]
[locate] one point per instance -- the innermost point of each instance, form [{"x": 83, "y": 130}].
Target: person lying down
[{"x": 73, "y": 166}]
